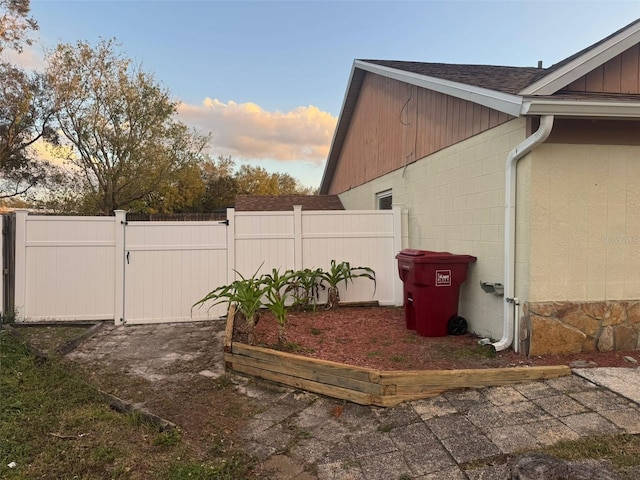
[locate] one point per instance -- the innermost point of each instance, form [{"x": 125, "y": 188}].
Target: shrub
[
  {"x": 274, "y": 290},
  {"x": 305, "y": 288},
  {"x": 343, "y": 272},
  {"x": 277, "y": 289},
  {"x": 246, "y": 294}
]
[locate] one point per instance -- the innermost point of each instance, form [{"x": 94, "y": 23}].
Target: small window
[{"x": 384, "y": 200}]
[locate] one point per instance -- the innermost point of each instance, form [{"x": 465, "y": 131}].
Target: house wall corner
[{"x": 455, "y": 203}]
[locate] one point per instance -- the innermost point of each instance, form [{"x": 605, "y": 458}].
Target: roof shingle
[
  {"x": 256, "y": 203},
  {"x": 503, "y": 79}
]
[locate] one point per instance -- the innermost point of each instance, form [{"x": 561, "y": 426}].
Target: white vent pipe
[{"x": 511, "y": 302}]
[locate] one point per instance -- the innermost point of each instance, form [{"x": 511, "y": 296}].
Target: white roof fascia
[
  {"x": 584, "y": 64},
  {"x": 581, "y": 108},
  {"x": 503, "y": 102}
]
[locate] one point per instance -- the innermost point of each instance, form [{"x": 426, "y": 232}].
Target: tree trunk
[
  {"x": 282, "y": 334},
  {"x": 251, "y": 326}
]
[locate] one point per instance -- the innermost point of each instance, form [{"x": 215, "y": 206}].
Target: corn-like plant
[
  {"x": 305, "y": 288},
  {"x": 343, "y": 272},
  {"x": 278, "y": 288},
  {"x": 246, "y": 293}
]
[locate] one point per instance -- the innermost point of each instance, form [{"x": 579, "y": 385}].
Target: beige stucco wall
[
  {"x": 585, "y": 223},
  {"x": 523, "y": 229},
  {"x": 455, "y": 199}
]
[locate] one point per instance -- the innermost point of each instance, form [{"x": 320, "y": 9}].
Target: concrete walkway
[
  {"x": 623, "y": 381},
  {"x": 457, "y": 435}
]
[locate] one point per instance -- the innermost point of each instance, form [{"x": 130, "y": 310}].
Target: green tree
[
  {"x": 120, "y": 127},
  {"x": 26, "y": 114},
  {"x": 253, "y": 180},
  {"x": 15, "y": 24},
  {"x": 179, "y": 194},
  {"x": 220, "y": 184}
]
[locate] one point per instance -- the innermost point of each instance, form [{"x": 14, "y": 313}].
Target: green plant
[
  {"x": 168, "y": 438},
  {"x": 277, "y": 288},
  {"x": 397, "y": 358},
  {"x": 234, "y": 467},
  {"x": 305, "y": 287},
  {"x": 343, "y": 272},
  {"x": 245, "y": 293},
  {"x": 9, "y": 317}
]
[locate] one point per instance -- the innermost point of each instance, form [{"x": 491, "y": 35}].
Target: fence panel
[
  {"x": 362, "y": 238},
  {"x": 311, "y": 239},
  {"x": 67, "y": 266},
  {"x": 263, "y": 241},
  {"x": 95, "y": 268},
  {"x": 171, "y": 265}
]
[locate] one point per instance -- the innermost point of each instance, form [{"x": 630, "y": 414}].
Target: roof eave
[
  {"x": 584, "y": 64},
  {"x": 503, "y": 102},
  {"x": 580, "y": 108}
]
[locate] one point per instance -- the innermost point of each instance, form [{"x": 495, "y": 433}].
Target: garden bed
[{"x": 366, "y": 355}]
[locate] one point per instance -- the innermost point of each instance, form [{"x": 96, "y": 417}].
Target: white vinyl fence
[{"x": 105, "y": 268}]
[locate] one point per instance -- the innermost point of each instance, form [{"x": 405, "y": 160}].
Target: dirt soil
[
  {"x": 376, "y": 337},
  {"x": 163, "y": 372}
]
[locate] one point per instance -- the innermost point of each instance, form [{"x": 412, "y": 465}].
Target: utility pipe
[{"x": 531, "y": 142}]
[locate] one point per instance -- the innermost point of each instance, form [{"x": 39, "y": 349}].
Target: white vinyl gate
[
  {"x": 170, "y": 265},
  {"x": 105, "y": 268}
]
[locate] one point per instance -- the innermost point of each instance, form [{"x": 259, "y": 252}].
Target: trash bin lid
[
  {"x": 427, "y": 256},
  {"x": 410, "y": 252},
  {"x": 445, "y": 257}
]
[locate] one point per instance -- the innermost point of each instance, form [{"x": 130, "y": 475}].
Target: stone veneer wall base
[{"x": 573, "y": 327}]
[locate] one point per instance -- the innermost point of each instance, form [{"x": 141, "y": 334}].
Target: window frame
[{"x": 382, "y": 196}]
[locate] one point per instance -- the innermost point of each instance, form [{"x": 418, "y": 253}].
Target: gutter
[
  {"x": 511, "y": 324},
  {"x": 582, "y": 108}
]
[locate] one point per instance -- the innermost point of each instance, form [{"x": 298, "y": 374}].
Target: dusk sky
[{"x": 267, "y": 79}]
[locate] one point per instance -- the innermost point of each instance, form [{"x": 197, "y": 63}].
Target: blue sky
[{"x": 268, "y": 78}]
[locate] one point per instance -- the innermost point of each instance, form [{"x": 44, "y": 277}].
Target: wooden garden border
[{"x": 367, "y": 386}]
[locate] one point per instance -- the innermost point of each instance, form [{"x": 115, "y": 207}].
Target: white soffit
[
  {"x": 579, "y": 67},
  {"x": 503, "y": 102}
]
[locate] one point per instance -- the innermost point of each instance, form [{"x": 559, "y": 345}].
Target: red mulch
[{"x": 376, "y": 337}]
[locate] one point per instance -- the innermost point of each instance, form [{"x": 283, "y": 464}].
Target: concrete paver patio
[{"x": 457, "y": 435}]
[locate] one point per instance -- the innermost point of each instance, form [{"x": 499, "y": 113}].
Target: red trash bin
[{"x": 431, "y": 290}]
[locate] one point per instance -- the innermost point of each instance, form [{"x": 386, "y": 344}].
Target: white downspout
[{"x": 510, "y": 325}]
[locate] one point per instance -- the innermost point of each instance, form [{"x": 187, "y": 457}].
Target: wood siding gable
[
  {"x": 620, "y": 75},
  {"x": 395, "y": 124}
]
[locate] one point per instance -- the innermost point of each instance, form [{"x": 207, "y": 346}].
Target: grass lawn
[{"x": 53, "y": 425}]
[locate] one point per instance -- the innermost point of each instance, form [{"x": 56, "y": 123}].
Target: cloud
[
  {"x": 48, "y": 152},
  {"x": 31, "y": 58},
  {"x": 245, "y": 130}
]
